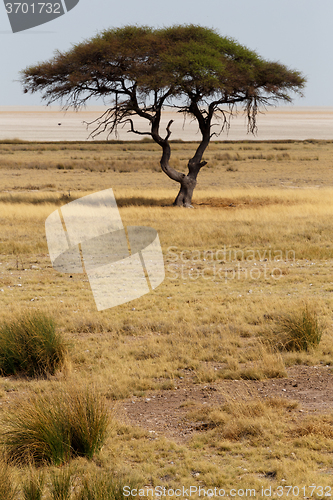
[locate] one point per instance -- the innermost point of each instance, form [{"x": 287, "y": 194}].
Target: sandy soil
[{"x": 51, "y": 124}]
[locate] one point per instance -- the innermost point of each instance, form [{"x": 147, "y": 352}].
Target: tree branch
[
  {"x": 129, "y": 120},
  {"x": 168, "y": 130}
]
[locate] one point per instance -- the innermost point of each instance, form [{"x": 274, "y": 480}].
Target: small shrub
[
  {"x": 55, "y": 428},
  {"x": 299, "y": 331},
  {"x": 8, "y": 491},
  {"x": 31, "y": 345}
]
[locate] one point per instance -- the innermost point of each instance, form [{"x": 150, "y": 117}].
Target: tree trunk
[
  {"x": 189, "y": 181},
  {"x": 184, "y": 197}
]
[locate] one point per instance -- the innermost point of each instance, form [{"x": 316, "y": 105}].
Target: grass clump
[
  {"x": 315, "y": 426},
  {"x": 252, "y": 420},
  {"x": 31, "y": 346},
  {"x": 269, "y": 364},
  {"x": 33, "y": 488},
  {"x": 55, "y": 428},
  {"x": 299, "y": 331},
  {"x": 104, "y": 487},
  {"x": 88, "y": 420},
  {"x": 8, "y": 491},
  {"x": 61, "y": 484}
]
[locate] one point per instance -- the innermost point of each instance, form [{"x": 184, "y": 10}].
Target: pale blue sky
[{"x": 297, "y": 33}]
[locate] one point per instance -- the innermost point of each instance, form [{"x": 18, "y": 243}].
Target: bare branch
[
  {"x": 168, "y": 130},
  {"x": 130, "y": 121}
]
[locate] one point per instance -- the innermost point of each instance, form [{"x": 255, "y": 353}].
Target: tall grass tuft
[
  {"x": 36, "y": 432},
  {"x": 88, "y": 420},
  {"x": 61, "y": 484},
  {"x": 104, "y": 487},
  {"x": 34, "y": 486},
  {"x": 30, "y": 345},
  {"x": 8, "y": 491},
  {"x": 55, "y": 428},
  {"x": 299, "y": 331}
]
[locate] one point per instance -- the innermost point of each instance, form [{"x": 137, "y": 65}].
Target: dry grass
[
  {"x": 269, "y": 437},
  {"x": 254, "y": 420},
  {"x": 61, "y": 484},
  {"x": 33, "y": 487},
  {"x": 8, "y": 488},
  {"x": 56, "y": 427},
  {"x": 299, "y": 331},
  {"x": 31, "y": 346},
  {"x": 259, "y": 238}
]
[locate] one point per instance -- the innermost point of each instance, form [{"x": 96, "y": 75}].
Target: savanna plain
[{"x": 220, "y": 378}]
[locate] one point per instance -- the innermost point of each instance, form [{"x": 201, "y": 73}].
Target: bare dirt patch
[{"x": 164, "y": 413}]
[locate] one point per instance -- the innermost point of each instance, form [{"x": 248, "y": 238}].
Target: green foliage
[
  {"x": 30, "y": 345},
  {"x": 55, "y": 428},
  {"x": 299, "y": 331},
  {"x": 141, "y": 64}
]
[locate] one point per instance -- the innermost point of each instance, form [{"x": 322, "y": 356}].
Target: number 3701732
[{"x": 33, "y": 8}]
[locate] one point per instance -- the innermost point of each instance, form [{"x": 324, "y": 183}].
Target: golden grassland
[{"x": 258, "y": 243}]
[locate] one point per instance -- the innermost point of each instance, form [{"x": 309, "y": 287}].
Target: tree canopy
[{"x": 138, "y": 71}]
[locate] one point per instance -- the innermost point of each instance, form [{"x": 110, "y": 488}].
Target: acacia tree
[{"x": 138, "y": 71}]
